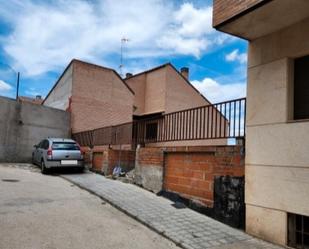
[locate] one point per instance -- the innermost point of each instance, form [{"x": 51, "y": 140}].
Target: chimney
[
  {"x": 185, "y": 72},
  {"x": 38, "y": 97},
  {"x": 128, "y": 75}
]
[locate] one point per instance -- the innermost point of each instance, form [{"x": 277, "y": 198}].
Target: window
[
  {"x": 65, "y": 146},
  {"x": 151, "y": 131},
  {"x": 298, "y": 229},
  {"x": 301, "y": 88},
  {"x": 45, "y": 144}
]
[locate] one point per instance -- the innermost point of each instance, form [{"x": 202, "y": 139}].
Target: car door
[
  {"x": 40, "y": 151},
  {"x": 36, "y": 152},
  {"x": 44, "y": 148}
]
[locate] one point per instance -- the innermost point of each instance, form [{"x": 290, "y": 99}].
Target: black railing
[{"x": 217, "y": 121}]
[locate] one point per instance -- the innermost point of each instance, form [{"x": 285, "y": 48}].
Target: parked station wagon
[{"x": 57, "y": 152}]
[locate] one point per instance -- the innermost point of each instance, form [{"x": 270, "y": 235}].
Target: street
[{"x": 48, "y": 212}]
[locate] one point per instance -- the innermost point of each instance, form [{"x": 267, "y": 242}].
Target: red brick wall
[
  {"x": 150, "y": 156},
  {"x": 104, "y": 160},
  {"x": 191, "y": 174},
  {"x": 87, "y": 155},
  {"x": 99, "y": 98},
  {"x": 127, "y": 160},
  {"x": 225, "y": 9},
  {"x": 97, "y": 161}
]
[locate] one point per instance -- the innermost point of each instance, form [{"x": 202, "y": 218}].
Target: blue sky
[{"x": 39, "y": 38}]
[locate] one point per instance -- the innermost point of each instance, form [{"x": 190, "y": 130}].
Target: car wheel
[
  {"x": 43, "y": 168},
  {"x": 32, "y": 160},
  {"x": 81, "y": 170}
]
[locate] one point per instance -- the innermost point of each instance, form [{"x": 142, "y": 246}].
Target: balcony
[{"x": 225, "y": 120}]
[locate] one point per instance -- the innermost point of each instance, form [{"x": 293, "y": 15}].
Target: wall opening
[
  {"x": 151, "y": 131},
  {"x": 298, "y": 231},
  {"x": 301, "y": 88}
]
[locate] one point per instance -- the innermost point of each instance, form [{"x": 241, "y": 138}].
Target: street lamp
[{"x": 18, "y": 76}]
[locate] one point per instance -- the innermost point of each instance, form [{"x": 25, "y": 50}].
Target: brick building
[
  {"x": 37, "y": 100},
  {"x": 277, "y": 159},
  {"x": 96, "y": 96},
  {"x": 163, "y": 90}
]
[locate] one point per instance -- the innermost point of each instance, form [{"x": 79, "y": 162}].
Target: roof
[
  {"x": 171, "y": 65},
  {"x": 89, "y": 64},
  {"x": 36, "y": 101},
  {"x": 149, "y": 70}
]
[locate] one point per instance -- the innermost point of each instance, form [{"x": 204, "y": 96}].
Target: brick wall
[
  {"x": 226, "y": 9},
  {"x": 163, "y": 89},
  {"x": 179, "y": 94},
  {"x": 104, "y": 160},
  {"x": 191, "y": 174},
  {"x": 125, "y": 157},
  {"x": 99, "y": 98},
  {"x": 187, "y": 171},
  {"x": 138, "y": 85},
  {"x": 150, "y": 156},
  {"x": 149, "y": 168},
  {"x": 60, "y": 95},
  {"x": 87, "y": 153},
  {"x": 99, "y": 160}
]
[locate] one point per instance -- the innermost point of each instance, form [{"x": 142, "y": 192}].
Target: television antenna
[{"x": 123, "y": 41}]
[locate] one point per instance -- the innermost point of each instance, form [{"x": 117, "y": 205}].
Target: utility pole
[
  {"x": 123, "y": 41},
  {"x": 17, "y": 87}
]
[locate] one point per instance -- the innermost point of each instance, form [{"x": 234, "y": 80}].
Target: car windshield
[{"x": 65, "y": 146}]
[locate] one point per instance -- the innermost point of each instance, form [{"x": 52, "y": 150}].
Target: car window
[
  {"x": 45, "y": 144},
  {"x": 65, "y": 146},
  {"x": 40, "y": 144}
]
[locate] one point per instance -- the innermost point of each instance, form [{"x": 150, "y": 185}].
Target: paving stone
[{"x": 190, "y": 229}]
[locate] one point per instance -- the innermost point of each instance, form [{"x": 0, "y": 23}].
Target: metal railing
[
  {"x": 118, "y": 134},
  {"x": 216, "y": 121}
]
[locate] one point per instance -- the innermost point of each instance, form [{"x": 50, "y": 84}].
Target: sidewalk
[{"x": 184, "y": 226}]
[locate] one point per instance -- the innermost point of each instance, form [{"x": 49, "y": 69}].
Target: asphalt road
[{"x": 48, "y": 212}]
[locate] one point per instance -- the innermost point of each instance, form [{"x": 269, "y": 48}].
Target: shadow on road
[{"x": 60, "y": 171}]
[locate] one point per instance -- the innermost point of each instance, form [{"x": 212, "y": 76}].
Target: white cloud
[
  {"x": 194, "y": 22},
  {"x": 46, "y": 37},
  {"x": 216, "y": 92},
  {"x": 188, "y": 35},
  {"x": 236, "y": 56},
  {"x": 4, "y": 87}
]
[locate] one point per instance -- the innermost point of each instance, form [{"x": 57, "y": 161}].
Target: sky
[{"x": 40, "y": 38}]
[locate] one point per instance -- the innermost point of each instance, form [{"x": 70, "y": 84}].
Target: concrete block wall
[{"x": 23, "y": 125}]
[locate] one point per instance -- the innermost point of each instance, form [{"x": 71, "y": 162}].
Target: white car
[{"x": 57, "y": 152}]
